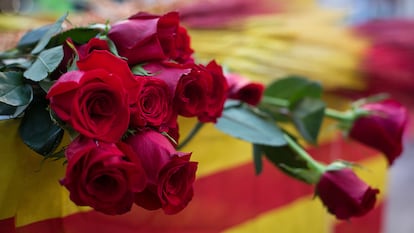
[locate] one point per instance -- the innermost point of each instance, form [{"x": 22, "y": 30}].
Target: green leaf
[
  {"x": 29, "y": 39},
  {"x": 13, "y": 91},
  {"x": 10, "y": 112},
  {"x": 46, "y": 85},
  {"x": 47, "y": 61},
  {"x": 53, "y": 30},
  {"x": 307, "y": 116},
  {"x": 284, "y": 158},
  {"x": 293, "y": 89},
  {"x": 80, "y": 35},
  {"x": 257, "y": 159},
  {"x": 241, "y": 122},
  {"x": 37, "y": 129},
  {"x": 6, "y": 110},
  {"x": 139, "y": 70},
  {"x": 113, "y": 48}
]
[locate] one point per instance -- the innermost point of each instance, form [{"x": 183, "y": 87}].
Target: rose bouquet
[{"x": 117, "y": 90}]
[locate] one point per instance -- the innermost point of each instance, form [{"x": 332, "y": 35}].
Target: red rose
[
  {"x": 217, "y": 94},
  {"x": 154, "y": 104},
  {"x": 192, "y": 92},
  {"x": 383, "y": 128},
  {"x": 344, "y": 194},
  {"x": 102, "y": 59},
  {"x": 146, "y": 37},
  {"x": 102, "y": 175},
  {"x": 242, "y": 89},
  {"x": 93, "y": 44},
  {"x": 199, "y": 91},
  {"x": 95, "y": 100},
  {"x": 170, "y": 173}
]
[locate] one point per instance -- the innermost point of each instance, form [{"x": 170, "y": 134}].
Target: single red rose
[
  {"x": 95, "y": 100},
  {"x": 217, "y": 94},
  {"x": 102, "y": 175},
  {"x": 94, "y": 103},
  {"x": 244, "y": 90},
  {"x": 154, "y": 104},
  {"x": 383, "y": 128},
  {"x": 103, "y": 59},
  {"x": 201, "y": 93},
  {"x": 146, "y": 37},
  {"x": 170, "y": 173},
  {"x": 344, "y": 194},
  {"x": 192, "y": 91}
]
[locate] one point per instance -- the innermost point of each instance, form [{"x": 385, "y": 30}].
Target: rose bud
[
  {"x": 170, "y": 173},
  {"x": 344, "y": 194},
  {"x": 95, "y": 99},
  {"x": 244, "y": 90},
  {"x": 102, "y": 175},
  {"x": 145, "y": 37},
  {"x": 382, "y": 128},
  {"x": 93, "y": 44}
]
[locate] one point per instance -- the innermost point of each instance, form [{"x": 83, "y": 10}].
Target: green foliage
[
  {"x": 13, "y": 90},
  {"x": 241, "y": 122},
  {"x": 29, "y": 40},
  {"x": 79, "y": 35},
  {"x": 38, "y": 131},
  {"x": 288, "y": 161},
  {"x": 257, "y": 158},
  {"x": 47, "y": 61},
  {"x": 298, "y": 100},
  {"x": 293, "y": 89},
  {"x": 52, "y": 30},
  {"x": 307, "y": 115}
]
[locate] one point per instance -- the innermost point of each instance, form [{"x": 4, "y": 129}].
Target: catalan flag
[{"x": 229, "y": 197}]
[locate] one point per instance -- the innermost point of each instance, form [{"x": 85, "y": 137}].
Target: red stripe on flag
[
  {"x": 7, "y": 225},
  {"x": 222, "y": 200}
]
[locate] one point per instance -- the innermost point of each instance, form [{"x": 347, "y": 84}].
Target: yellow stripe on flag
[
  {"x": 307, "y": 214},
  {"x": 304, "y": 215}
]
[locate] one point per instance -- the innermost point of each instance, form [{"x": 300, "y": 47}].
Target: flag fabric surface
[{"x": 229, "y": 197}]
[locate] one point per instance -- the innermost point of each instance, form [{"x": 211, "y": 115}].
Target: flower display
[{"x": 118, "y": 91}]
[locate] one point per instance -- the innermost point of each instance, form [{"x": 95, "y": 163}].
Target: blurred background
[{"x": 353, "y": 47}]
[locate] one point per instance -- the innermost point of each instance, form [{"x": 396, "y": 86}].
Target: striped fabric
[{"x": 228, "y": 198}]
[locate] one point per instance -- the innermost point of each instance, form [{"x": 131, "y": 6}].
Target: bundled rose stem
[
  {"x": 197, "y": 127},
  {"x": 312, "y": 164},
  {"x": 342, "y": 116}
]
